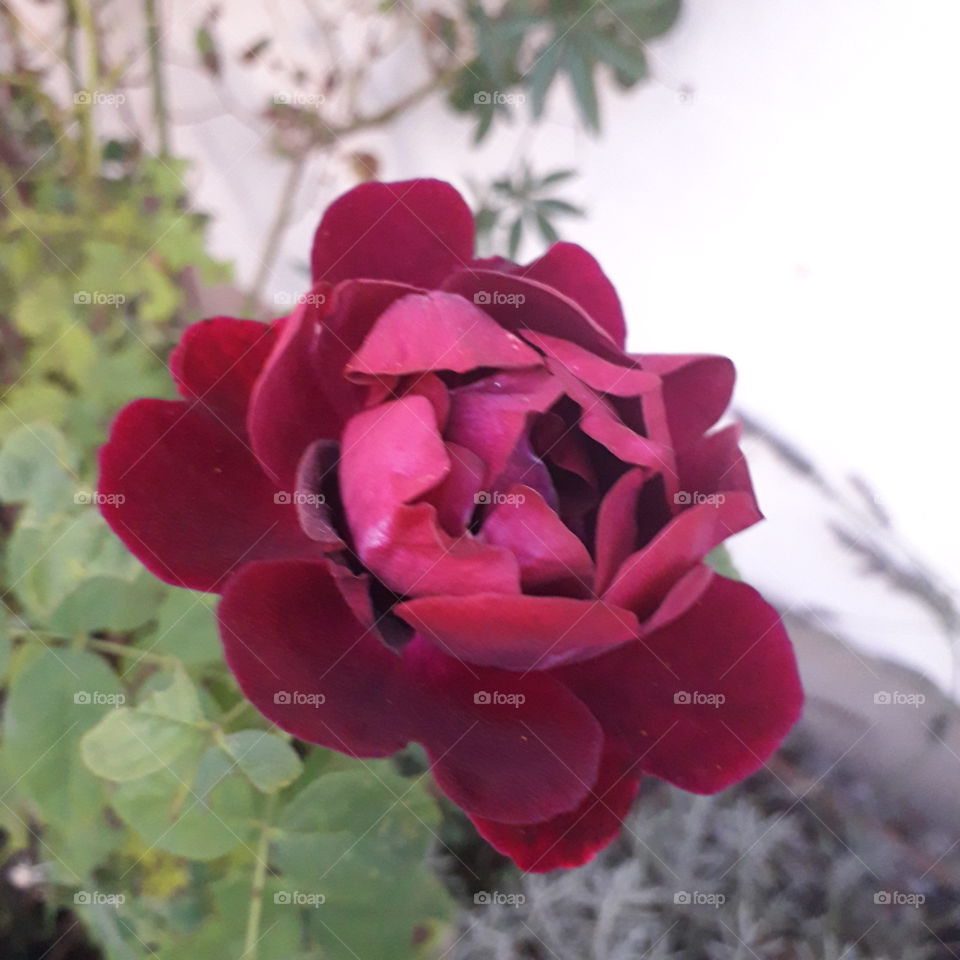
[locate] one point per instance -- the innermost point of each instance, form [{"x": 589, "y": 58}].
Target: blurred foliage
[
  {"x": 528, "y": 46},
  {"x": 523, "y": 202}
]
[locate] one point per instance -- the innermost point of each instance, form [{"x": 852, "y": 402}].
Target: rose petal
[
  {"x": 438, "y": 331},
  {"x": 511, "y": 748},
  {"x": 217, "y": 362},
  {"x": 594, "y": 371},
  {"x": 192, "y": 502},
  {"x": 516, "y": 302},
  {"x": 301, "y": 395},
  {"x": 645, "y": 576},
  {"x": 490, "y": 417},
  {"x": 516, "y": 632},
  {"x": 391, "y": 456},
  {"x": 568, "y": 268},
  {"x": 574, "y": 838},
  {"x": 552, "y": 559},
  {"x": 711, "y": 695},
  {"x": 414, "y": 231},
  {"x": 696, "y": 391}
]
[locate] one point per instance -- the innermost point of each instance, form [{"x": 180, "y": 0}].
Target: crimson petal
[
  {"x": 568, "y": 268},
  {"x": 438, "y": 331},
  {"x": 574, "y": 838},
  {"x": 391, "y": 456},
  {"x": 414, "y": 231},
  {"x": 711, "y": 695},
  {"x": 179, "y": 476},
  {"x": 511, "y": 748},
  {"x": 217, "y": 362},
  {"x": 518, "y": 632}
]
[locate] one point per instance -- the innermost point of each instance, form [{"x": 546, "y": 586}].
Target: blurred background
[{"x": 774, "y": 181}]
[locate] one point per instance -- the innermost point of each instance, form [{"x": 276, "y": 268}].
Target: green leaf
[
  {"x": 107, "y": 603},
  {"x": 267, "y": 761},
  {"x": 186, "y": 628},
  {"x": 719, "y": 558},
  {"x": 128, "y": 744},
  {"x": 37, "y": 467},
  {"x": 543, "y": 73},
  {"x": 192, "y": 810},
  {"x": 52, "y": 702},
  {"x": 177, "y": 701},
  {"x": 580, "y": 72}
]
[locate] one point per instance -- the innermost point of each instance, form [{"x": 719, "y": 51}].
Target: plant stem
[
  {"x": 155, "y": 52},
  {"x": 277, "y": 229},
  {"x": 255, "y": 914},
  {"x": 83, "y": 10}
]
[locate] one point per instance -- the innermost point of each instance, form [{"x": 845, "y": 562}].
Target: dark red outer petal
[
  {"x": 512, "y": 748},
  {"x": 542, "y": 308},
  {"x": 519, "y": 632},
  {"x": 644, "y": 577},
  {"x": 217, "y": 362},
  {"x": 193, "y": 503},
  {"x": 413, "y": 231},
  {"x": 696, "y": 391},
  {"x": 574, "y": 838},
  {"x": 730, "y": 643},
  {"x": 568, "y": 268}
]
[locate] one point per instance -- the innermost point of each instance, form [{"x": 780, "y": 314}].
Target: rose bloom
[{"x": 442, "y": 504}]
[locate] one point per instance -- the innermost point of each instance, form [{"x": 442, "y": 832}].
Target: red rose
[{"x": 443, "y": 505}]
